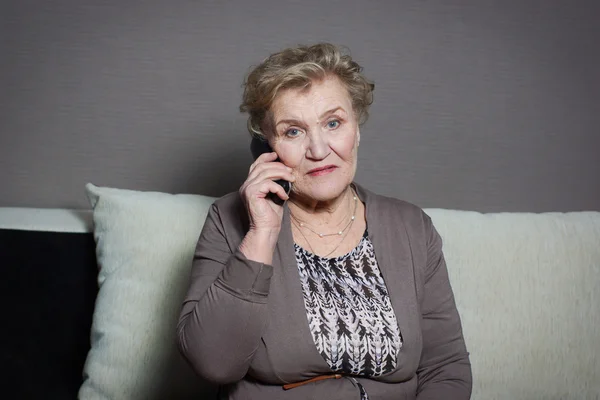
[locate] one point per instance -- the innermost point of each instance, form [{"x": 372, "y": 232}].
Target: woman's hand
[{"x": 265, "y": 216}]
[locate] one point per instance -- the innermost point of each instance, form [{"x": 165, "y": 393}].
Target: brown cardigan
[{"x": 243, "y": 324}]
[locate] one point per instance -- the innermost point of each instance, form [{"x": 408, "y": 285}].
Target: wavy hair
[{"x": 298, "y": 67}]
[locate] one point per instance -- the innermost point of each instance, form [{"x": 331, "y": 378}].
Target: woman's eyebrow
[
  {"x": 289, "y": 122},
  {"x": 331, "y": 111},
  {"x": 292, "y": 121}
]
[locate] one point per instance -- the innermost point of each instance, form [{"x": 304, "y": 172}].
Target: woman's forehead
[{"x": 320, "y": 97}]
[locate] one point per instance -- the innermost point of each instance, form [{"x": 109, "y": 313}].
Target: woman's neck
[{"x": 323, "y": 215}]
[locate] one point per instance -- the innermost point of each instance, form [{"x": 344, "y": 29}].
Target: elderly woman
[{"x": 335, "y": 292}]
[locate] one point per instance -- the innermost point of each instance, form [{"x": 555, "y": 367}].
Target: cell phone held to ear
[{"x": 258, "y": 147}]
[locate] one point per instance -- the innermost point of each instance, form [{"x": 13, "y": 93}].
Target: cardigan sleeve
[
  {"x": 224, "y": 312},
  {"x": 444, "y": 370}
]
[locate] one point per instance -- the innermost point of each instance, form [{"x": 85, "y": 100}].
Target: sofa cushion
[
  {"x": 47, "y": 292},
  {"x": 145, "y": 244},
  {"x": 527, "y": 287}
]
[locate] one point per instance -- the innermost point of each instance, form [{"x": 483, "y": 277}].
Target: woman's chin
[{"x": 326, "y": 191}]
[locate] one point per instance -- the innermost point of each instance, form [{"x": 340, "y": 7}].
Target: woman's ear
[{"x": 357, "y": 137}]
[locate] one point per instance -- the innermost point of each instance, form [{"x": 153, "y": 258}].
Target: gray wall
[{"x": 481, "y": 105}]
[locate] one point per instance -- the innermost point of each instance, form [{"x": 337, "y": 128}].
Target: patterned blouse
[{"x": 349, "y": 311}]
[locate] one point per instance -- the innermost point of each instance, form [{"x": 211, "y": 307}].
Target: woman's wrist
[{"x": 259, "y": 244}]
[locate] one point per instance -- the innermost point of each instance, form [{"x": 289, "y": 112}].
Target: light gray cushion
[
  {"x": 527, "y": 287},
  {"x": 145, "y": 245}
]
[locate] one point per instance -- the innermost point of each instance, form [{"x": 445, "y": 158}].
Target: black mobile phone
[{"x": 258, "y": 147}]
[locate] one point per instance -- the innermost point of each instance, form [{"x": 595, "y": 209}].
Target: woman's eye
[
  {"x": 333, "y": 124},
  {"x": 292, "y": 132}
]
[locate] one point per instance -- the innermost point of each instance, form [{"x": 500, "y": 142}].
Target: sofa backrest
[{"x": 528, "y": 290}]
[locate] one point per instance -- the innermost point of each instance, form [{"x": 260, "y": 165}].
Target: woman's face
[{"x": 315, "y": 132}]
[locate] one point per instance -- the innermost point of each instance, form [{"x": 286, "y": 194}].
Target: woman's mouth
[{"x": 322, "y": 170}]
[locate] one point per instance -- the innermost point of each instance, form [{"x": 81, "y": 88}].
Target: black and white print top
[{"x": 349, "y": 311}]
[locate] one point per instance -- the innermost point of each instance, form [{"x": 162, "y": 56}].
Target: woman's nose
[{"x": 318, "y": 147}]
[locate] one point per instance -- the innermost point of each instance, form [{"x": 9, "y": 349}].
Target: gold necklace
[
  {"x": 296, "y": 222},
  {"x": 322, "y": 235},
  {"x": 310, "y": 246}
]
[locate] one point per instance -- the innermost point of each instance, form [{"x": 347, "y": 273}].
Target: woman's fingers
[
  {"x": 274, "y": 169},
  {"x": 260, "y": 182},
  {"x": 260, "y": 188},
  {"x": 273, "y": 173},
  {"x": 268, "y": 186},
  {"x": 263, "y": 158}
]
